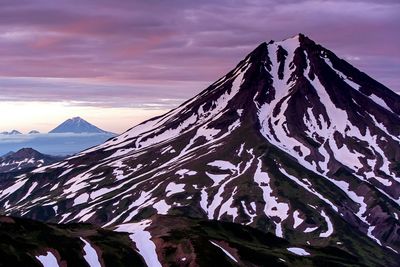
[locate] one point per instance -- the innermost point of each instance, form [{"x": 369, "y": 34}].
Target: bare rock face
[{"x": 293, "y": 141}]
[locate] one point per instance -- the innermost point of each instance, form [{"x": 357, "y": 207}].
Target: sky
[{"x": 117, "y": 63}]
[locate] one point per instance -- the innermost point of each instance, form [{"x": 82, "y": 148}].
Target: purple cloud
[{"x": 156, "y": 47}]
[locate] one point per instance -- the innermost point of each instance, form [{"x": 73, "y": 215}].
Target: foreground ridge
[{"x": 195, "y": 242}]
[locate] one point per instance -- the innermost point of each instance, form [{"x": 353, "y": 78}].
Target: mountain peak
[
  {"x": 77, "y": 125},
  {"x": 15, "y": 132},
  {"x": 297, "y": 38},
  {"x": 26, "y": 152},
  {"x": 77, "y": 119}
]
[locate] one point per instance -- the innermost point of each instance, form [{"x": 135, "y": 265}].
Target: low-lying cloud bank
[{"x": 53, "y": 144}]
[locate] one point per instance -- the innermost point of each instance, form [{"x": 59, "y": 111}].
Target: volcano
[
  {"x": 294, "y": 141},
  {"x": 77, "y": 125}
]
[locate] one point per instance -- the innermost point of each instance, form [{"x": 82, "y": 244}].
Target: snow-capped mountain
[
  {"x": 77, "y": 125},
  {"x": 34, "y": 132},
  {"x": 293, "y": 141},
  {"x": 25, "y": 158}
]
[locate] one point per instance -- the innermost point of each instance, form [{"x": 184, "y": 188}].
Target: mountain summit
[
  {"x": 77, "y": 125},
  {"x": 293, "y": 141}
]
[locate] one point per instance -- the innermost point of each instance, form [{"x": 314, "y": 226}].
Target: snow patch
[
  {"x": 297, "y": 219},
  {"x": 162, "y": 207},
  {"x": 299, "y": 251},
  {"x": 222, "y": 165},
  {"x": 81, "y": 199},
  {"x": 173, "y": 188},
  {"x": 225, "y": 251},
  {"x": 142, "y": 239},
  {"x": 48, "y": 260},
  {"x": 329, "y": 224},
  {"x": 90, "y": 256},
  {"x": 273, "y": 208}
]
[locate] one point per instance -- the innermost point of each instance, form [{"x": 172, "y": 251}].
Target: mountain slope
[
  {"x": 187, "y": 242},
  {"x": 293, "y": 141},
  {"x": 77, "y": 125},
  {"x": 25, "y": 158},
  {"x": 196, "y": 242}
]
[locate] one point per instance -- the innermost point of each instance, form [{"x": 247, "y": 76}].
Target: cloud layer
[{"x": 133, "y": 53}]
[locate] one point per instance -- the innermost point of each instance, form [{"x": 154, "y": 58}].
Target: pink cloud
[{"x": 192, "y": 41}]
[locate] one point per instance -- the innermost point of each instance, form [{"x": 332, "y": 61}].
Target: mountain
[
  {"x": 25, "y": 158},
  {"x": 294, "y": 141},
  {"x": 77, "y": 125},
  {"x": 34, "y": 132},
  {"x": 13, "y": 132}
]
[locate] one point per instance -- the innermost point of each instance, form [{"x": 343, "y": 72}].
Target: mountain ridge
[
  {"x": 25, "y": 158},
  {"x": 194, "y": 242},
  {"x": 13, "y": 132}
]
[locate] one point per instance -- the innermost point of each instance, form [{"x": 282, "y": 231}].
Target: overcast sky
[{"x": 119, "y": 62}]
